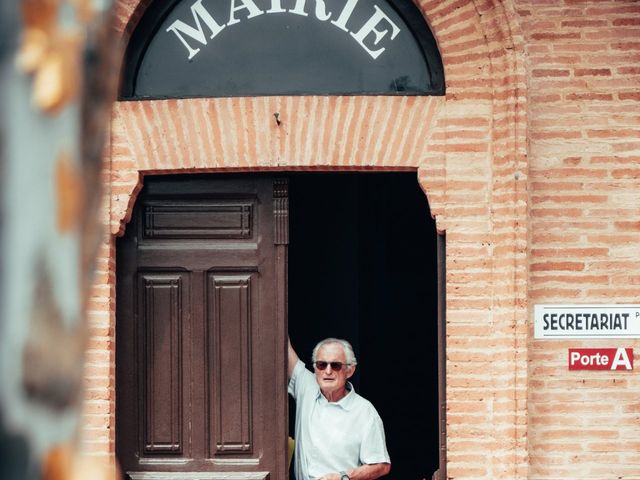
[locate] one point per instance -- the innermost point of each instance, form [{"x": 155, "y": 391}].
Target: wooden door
[{"x": 201, "y": 329}]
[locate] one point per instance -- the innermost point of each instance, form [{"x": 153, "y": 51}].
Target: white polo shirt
[{"x": 333, "y": 436}]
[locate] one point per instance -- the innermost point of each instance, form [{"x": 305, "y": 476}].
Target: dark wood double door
[{"x": 201, "y": 329}]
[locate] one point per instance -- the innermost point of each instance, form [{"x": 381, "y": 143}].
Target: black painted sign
[{"x": 281, "y": 47}]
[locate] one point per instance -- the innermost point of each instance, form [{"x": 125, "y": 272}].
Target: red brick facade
[
  {"x": 584, "y": 227},
  {"x": 530, "y": 164}
]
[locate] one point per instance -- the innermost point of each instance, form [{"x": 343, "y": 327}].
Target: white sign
[{"x": 586, "y": 321}]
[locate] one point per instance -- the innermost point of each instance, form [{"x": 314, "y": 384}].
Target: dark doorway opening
[{"x": 363, "y": 266}]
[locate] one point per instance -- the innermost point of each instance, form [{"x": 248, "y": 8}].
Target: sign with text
[
  {"x": 193, "y": 37},
  {"x": 220, "y": 48},
  {"x": 601, "y": 359},
  {"x": 586, "y": 321}
]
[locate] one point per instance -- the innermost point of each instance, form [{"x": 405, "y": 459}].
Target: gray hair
[{"x": 346, "y": 346}]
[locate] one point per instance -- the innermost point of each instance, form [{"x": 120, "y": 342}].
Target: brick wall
[
  {"x": 583, "y": 71},
  {"x": 469, "y": 151},
  {"x": 530, "y": 163},
  {"x": 97, "y": 433}
]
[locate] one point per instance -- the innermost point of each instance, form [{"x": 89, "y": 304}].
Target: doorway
[{"x": 363, "y": 266}]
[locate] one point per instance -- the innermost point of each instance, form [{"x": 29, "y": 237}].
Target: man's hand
[{"x": 363, "y": 472}]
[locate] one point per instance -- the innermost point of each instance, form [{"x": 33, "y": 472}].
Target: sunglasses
[{"x": 336, "y": 366}]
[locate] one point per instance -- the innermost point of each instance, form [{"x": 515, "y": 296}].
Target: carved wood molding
[{"x": 281, "y": 211}]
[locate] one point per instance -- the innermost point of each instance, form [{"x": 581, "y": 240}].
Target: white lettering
[
  {"x": 320, "y": 11},
  {"x": 254, "y": 11},
  {"x": 575, "y": 356},
  {"x": 587, "y": 360},
  {"x": 594, "y": 359},
  {"x": 621, "y": 359},
  {"x": 370, "y": 27},
  {"x": 374, "y": 25},
  {"x": 342, "y": 20},
  {"x": 199, "y": 12}
]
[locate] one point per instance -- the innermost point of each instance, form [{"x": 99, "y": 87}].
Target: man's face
[{"x": 331, "y": 380}]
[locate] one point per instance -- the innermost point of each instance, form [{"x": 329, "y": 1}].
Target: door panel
[
  {"x": 201, "y": 330},
  {"x": 160, "y": 349},
  {"x": 199, "y": 219},
  {"x": 230, "y": 312}
]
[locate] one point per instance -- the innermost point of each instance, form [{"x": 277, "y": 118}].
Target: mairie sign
[
  {"x": 586, "y": 321},
  {"x": 247, "y": 48},
  {"x": 205, "y": 25}
]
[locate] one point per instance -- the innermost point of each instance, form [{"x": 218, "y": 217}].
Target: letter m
[{"x": 195, "y": 33}]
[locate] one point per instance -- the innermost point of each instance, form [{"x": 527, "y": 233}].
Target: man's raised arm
[{"x": 292, "y": 361}]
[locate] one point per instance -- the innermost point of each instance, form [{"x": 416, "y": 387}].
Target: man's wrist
[{"x": 344, "y": 476}]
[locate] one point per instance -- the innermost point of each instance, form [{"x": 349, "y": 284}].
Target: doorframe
[
  {"x": 441, "y": 246},
  {"x": 281, "y": 239}
]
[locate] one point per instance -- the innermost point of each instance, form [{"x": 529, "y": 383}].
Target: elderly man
[{"x": 339, "y": 434}]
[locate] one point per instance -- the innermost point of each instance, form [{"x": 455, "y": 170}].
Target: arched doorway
[
  {"x": 178, "y": 50},
  {"x": 194, "y": 395},
  {"x": 350, "y": 257}
]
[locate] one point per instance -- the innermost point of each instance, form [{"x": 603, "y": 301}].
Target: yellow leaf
[
  {"x": 33, "y": 49},
  {"x": 40, "y": 14},
  {"x": 48, "y": 87},
  {"x": 57, "y": 463},
  {"x": 85, "y": 10},
  {"x": 69, "y": 193},
  {"x": 65, "y": 462},
  {"x": 57, "y": 80}
]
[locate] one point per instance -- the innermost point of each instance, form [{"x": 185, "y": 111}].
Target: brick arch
[
  {"x": 485, "y": 81},
  {"x": 468, "y": 149},
  {"x": 223, "y": 134}
]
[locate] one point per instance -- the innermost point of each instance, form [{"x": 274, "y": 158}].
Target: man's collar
[{"x": 345, "y": 402}]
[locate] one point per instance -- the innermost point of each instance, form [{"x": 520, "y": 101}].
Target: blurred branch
[{"x": 58, "y": 74}]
